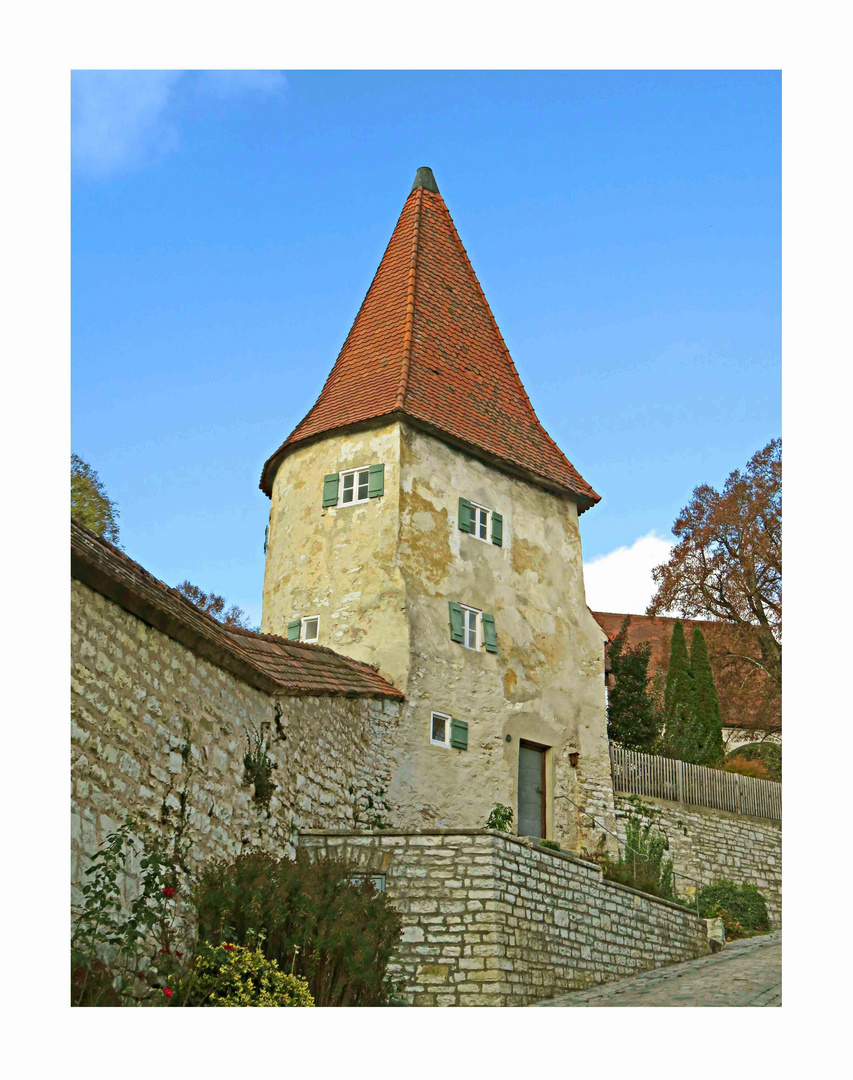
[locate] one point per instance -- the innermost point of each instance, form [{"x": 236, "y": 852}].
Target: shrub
[
  {"x": 741, "y": 907},
  {"x": 320, "y": 918},
  {"x": 769, "y": 754},
  {"x": 744, "y": 767},
  {"x": 500, "y": 818},
  {"x": 238, "y": 976},
  {"x": 641, "y": 863},
  {"x": 552, "y": 844}
]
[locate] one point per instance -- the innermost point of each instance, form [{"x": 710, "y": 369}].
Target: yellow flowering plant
[{"x": 238, "y": 976}]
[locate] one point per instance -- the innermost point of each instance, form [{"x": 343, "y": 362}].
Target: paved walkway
[{"x": 744, "y": 973}]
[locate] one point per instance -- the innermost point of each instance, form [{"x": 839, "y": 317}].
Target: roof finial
[{"x": 425, "y": 179}]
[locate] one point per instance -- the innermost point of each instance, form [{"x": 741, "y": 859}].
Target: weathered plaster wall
[
  {"x": 339, "y": 562},
  {"x": 711, "y": 844},
  {"x": 493, "y": 920},
  {"x": 151, "y": 722},
  {"x": 546, "y": 681}
]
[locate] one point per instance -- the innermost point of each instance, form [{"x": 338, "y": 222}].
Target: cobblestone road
[{"x": 745, "y": 973}]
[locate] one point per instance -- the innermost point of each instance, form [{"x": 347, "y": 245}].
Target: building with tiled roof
[
  {"x": 423, "y": 521},
  {"x": 750, "y": 709}
]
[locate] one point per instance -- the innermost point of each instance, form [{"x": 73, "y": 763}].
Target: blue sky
[{"x": 625, "y": 226}]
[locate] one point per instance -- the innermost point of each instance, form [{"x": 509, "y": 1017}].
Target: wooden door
[{"x": 531, "y": 789}]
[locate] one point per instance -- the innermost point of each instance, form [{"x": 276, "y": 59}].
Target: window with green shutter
[
  {"x": 481, "y": 522},
  {"x": 458, "y": 734},
  {"x": 352, "y": 486},
  {"x": 293, "y": 630},
  {"x": 330, "y": 489},
  {"x": 490, "y": 634}
]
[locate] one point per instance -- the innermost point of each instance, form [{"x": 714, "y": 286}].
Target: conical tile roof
[{"x": 425, "y": 347}]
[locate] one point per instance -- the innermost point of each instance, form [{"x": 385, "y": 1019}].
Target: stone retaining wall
[
  {"x": 490, "y": 919},
  {"x": 711, "y": 844},
  {"x": 159, "y": 732}
]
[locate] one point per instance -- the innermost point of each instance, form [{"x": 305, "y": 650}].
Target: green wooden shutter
[
  {"x": 266, "y": 538},
  {"x": 459, "y": 734},
  {"x": 330, "y": 489},
  {"x": 465, "y": 523},
  {"x": 293, "y": 629},
  {"x": 456, "y": 631},
  {"x": 497, "y": 529},
  {"x": 490, "y": 635},
  {"x": 376, "y": 481}
]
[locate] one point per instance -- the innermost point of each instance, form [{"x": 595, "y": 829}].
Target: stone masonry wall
[
  {"x": 711, "y": 844},
  {"x": 154, "y": 725},
  {"x": 490, "y": 919}
]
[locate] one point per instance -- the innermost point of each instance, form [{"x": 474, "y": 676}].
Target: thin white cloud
[
  {"x": 122, "y": 120},
  {"x": 118, "y": 119},
  {"x": 621, "y": 581}
]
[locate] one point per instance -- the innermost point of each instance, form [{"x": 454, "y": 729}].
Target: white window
[
  {"x": 439, "y": 729},
  {"x": 481, "y": 522},
  {"x": 472, "y": 623},
  {"x": 310, "y": 629},
  {"x": 355, "y": 485}
]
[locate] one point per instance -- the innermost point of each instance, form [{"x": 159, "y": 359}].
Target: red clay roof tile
[{"x": 425, "y": 346}]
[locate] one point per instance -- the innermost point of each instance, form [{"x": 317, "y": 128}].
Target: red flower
[
  {"x": 166, "y": 951},
  {"x": 229, "y": 947},
  {"x": 178, "y": 954},
  {"x": 167, "y": 891},
  {"x": 167, "y": 991}
]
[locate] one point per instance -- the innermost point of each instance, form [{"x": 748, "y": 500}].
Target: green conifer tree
[
  {"x": 709, "y": 724},
  {"x": 632, "y": 718},
  {"x": 679, "y": 709}
]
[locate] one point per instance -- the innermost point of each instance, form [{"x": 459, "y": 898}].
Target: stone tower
[{"x": 422, "y": 520}]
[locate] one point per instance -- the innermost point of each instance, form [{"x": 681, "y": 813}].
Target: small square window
[
  {"x": 439, "y": 730},
  {"x": 355, "y": 486},
  {"x": 310, "y": 628},
  {"x": 471, "y": 628}
]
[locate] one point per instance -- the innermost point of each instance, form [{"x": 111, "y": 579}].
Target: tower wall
[{"x": 381, "y": 574}]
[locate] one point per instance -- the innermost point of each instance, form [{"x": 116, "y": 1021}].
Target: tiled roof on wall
[
  {"x": 267, "y": 662},
  {"x": 425, "y": 347}
]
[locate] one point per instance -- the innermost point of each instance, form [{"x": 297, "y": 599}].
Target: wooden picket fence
[{"x": 696, "y": 785}]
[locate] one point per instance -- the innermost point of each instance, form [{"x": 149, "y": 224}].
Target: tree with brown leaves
[
  {"x": 90, "y": 504},
  {"x": 727, "y": 564},
  {"x": 214, "y": 605}
]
